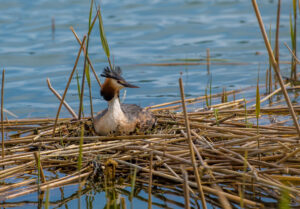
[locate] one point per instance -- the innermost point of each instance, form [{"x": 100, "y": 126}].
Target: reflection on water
[{"x": 116, "y": 196}]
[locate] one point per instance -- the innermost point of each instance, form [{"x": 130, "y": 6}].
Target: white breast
[{"x": 112, "y": 121}]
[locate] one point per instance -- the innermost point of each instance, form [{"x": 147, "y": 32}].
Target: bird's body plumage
[{"x": 120, "y": 118}]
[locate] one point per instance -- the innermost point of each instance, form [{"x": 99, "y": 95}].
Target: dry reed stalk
[
  {"x": 208, "y": 60},
  {"x": 88, "y": 59},
  {"x": 150, "y": 182},
  {"x": 187, "y": 125},
  {"x": 292, "y": 53},
  {"x": 197, "y": 98},
  {"x": 275, "y": 66},
  {"x": 67, "y": 106},
  {"x": 83, "y": 79},
  {"x": 16, "y": 185},
  {"x": 193, "y": 63},
  {"x": 185, "y": 187},
  {"x": 123, "y": 203},
  {"x": 2, "y": 98},
  {"x": 223, "y": 200},
  {"x": 45, "y": 186},
  {"x": 69, "y": 81}
]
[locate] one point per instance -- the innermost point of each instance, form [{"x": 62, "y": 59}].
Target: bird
[{"x": 120, "y": 118}]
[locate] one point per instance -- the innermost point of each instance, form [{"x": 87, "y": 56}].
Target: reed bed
[{"x": 217, "y": 160}]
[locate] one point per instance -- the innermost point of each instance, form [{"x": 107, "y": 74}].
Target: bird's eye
[{"x": 120, "y": 82}]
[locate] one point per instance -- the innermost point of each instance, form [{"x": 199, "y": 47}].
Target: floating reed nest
[{"x": 220, "y": 158}]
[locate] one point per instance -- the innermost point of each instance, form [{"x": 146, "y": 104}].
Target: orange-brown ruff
[{"x": 120, "y": 118}]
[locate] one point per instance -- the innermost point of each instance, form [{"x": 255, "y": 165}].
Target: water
[{"x": 156, "y": 31}]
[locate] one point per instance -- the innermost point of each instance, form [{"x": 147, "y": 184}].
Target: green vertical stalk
[
  {"x": 47, "y": 199},
  {"x": 216, "y": 114},
  {"x": 295, "y": 37},
  {"x": 87, "y": 70},
  {"x": 285, "y": 200},
  {"x": 79, "y": 164},
  {"x": 277, "y": 40},
  {"x": 103, "y": 38}
]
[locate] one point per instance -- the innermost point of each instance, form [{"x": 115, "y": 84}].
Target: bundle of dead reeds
[{"x": 213, "y": 155}]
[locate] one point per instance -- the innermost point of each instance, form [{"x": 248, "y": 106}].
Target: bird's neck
[{"x": 114, "y": 107}]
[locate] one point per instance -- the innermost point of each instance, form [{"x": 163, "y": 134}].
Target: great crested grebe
[{"x": 119, "y": 118}]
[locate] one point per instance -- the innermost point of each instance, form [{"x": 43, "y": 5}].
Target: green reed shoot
[
  {"x": 216, "y": 114},
  {"x": 224, "y": 96},
  {"x": 47, "y": 199},
  {"x": 103, "y": 38},
  {"x": 90, "y": 15},
  {"x": 38, "y": 162},
  {"x": 284, "y": 202},
  {"x": 87, "y": 66},
  {"x": 293, "y": 31},
  {"x": 133, "y": 184},
  {"x": 78, "y": 88},
  {"x": 79, "y": 164},
  {"x": 208, "y": 86},
  {"x": 206, "y": 98},
  {"x": 277, "y": 37}
]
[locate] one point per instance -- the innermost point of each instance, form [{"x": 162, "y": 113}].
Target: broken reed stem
[
  {"x": 88, "y": 59},
  {"x": 83, "y": 79},
  {"x": 275, "y": 66},
  {"x": 67, "y": 106},
  {"x": 68, "y": 84},
  {"x": 185, "y": 187},
  {"x": 2, "y": 126},
  {"x": 150, "y": 181},
  {"x": 295, "y": 58},
  {"x": 189, "y": 138},
  {"x": 222, "y": 199},
  {"x": 123, "y": 203},
  {"x": 39, "y": 165}
]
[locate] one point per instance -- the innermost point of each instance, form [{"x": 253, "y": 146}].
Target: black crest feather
[{"x": 112, "y": 73}]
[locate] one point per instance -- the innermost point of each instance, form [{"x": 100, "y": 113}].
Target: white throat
[{"x": 114, "y": 109}]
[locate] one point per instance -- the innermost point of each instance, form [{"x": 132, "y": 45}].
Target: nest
[{"x": 215, "y": 157}]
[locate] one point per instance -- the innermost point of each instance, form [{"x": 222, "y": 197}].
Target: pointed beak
[{"x": 128, "y": 85}]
